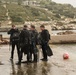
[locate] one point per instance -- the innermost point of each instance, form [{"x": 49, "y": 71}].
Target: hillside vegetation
[
  {"x": 2, "y": 13},
  {"x": 48, "y": 10},
  {"x": 66, "y": 10},
  {"x": 28, "y": 13}
]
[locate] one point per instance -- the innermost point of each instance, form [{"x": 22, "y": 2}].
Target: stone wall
[{"x": 70, "y": 38}]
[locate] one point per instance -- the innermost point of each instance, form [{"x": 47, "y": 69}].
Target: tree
[
  {"x": 20, "y": 2},
  {"x": 0, "y": 2}
]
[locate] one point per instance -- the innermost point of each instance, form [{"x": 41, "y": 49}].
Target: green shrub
[
  {"x": 17, "y": 19},
  {"x": 2, "y": 13}
]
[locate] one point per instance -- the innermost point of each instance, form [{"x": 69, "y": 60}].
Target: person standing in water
[{"x": 14, "y": 40}]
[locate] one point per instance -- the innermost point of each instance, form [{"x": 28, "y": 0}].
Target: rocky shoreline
[
  {"x": 66, "y": 32},
  {"x": 4, "y": 42},
  {"x": 50, "y": 26},
  {"x": 55, "y": 25}
]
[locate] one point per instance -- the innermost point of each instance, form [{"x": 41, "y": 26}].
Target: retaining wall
[{"x": 70, "y": 38}]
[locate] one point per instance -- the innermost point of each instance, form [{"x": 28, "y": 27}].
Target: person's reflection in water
[
  {"x": 16, "y": 70},
  {"x": 35, "y": 68},
  {"x": 32, "y": 69},
  {"x": 45, "y": 68},
  {"x": 20, "y": 70},
  {"x": 13, "y": 72}
]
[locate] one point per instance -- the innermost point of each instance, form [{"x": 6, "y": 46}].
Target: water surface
[{"x": 56, "y": 65}]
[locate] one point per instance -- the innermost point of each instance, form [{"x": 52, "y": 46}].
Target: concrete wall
[{"x": 63, "y": 38}]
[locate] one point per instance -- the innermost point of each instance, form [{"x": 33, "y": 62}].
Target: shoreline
[
  {"x": 7, "y": 29},
  {"x": 55, "y": 39}
]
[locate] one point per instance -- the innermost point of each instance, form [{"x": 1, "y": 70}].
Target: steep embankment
[
  {"x": 28, "y": 13},
  {"x": 2, "y": 13},
  {"x": 46, "y": 11}
]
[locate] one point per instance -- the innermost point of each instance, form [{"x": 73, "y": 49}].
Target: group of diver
[{"x": 26, "y": 42}]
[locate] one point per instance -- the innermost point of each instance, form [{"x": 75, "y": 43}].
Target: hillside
[
  {"x": 2, "y": 13},
  {"x": 46, "y": 11},
  {"x": 20, "y": 13},
  {"x": 66, "y": 10},
  {"x": 28, "y": 13}
]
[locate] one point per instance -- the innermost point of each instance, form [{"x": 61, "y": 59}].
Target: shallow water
[
  {"x": 56, "y": 65},
  {"x": 53, "y": 32}
]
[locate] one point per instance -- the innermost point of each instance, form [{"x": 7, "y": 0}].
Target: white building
[{"x": 33, "y": 3}]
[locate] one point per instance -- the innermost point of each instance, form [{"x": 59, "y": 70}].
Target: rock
[
  {"x": 4, "y": 41},
  {"x": 66, "y": 32},
  {"x": 1, "y": 63}
]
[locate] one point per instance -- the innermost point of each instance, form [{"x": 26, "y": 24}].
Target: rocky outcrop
[
  {"x": 54, "y": 25},
  {"x": 63, "y": 27},
  {"x": 66, "y": 32},
  {"x": 4, "y": 41}
]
